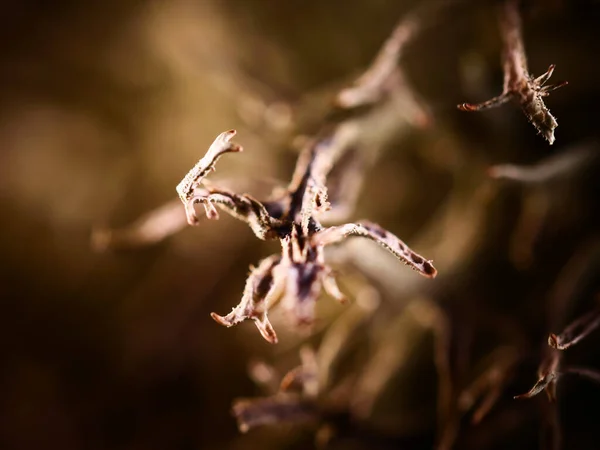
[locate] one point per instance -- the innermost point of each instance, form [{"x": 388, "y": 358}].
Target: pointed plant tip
[
  {"x": 553, "y": 340},
  {"x": 466, "y": 107},
  {"x": 192, "y": 218},
  {"x": 525, "y": 396},
  {"x": 227, "y": 136},
  {"x": 220, "y": 319},
  {"x": 429, "y": 271}
]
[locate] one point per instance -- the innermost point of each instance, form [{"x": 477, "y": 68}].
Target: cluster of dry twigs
[{"x": 324, "y": 188}]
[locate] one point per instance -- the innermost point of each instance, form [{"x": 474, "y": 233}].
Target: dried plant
[
  {"x": 519, "y": 85},
  {"x": 548, "y": 374},
  {"x": 545, "y": 187},
  {"x": 150, "y": 228},
  {"x": 325, "y": 184},
  {"x": 466, "y": 387},
  {"x": 294, "y": 400},
  {"x": 362, "y": 120},
  {"x": 320, "y": 395},
  {"x": 576, "y": 331},
  {"x": 331, "y": 161},
  {"x": 551, "y": 371},
  {"x": 299, "y": 273}
]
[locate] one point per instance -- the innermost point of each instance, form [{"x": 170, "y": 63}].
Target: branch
[
  {"x": 548, "y": 169},
  {"x": 261, "y": 288},
  {"x": 243, "y": 207},
  {"x": 151, "y": 228},
  {"x": 384, "y": 238},
  {"x": 576, "y": 331},
  {"x": 185, "y": 189},
  {"x": 519, "y": 85},
  {"x": 371, "y": 86},
  {"x": 547, "y": 378}
]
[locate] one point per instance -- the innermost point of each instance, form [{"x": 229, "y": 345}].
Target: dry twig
[
  {"x": 548, "y": 169},
  {"x": 295, "y": 401},
  {"x": 298, "y": 275},
  {"x": 519, "y": 85},
  {"x": 576, "y": 331}
]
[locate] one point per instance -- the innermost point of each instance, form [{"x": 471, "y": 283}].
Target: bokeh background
[{"x": 104, "y": 106}]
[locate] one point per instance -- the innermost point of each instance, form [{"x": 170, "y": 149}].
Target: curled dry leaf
[{"x": 280, "y": 408}]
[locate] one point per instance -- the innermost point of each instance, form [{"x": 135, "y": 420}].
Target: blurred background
[{"x": 104, "y": 106}]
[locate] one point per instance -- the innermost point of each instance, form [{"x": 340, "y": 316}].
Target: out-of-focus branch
[
  {"x": 548, "y": 169},
  {"x": 548, "y": 374},
  {"x": 371, "y": 86},
  {"x": 282, "y": 408},
  {"x": 149, "y": 229}
]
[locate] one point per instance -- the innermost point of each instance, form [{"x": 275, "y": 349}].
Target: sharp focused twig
[
  {"x": 519, "y": 85},
  {"x": 260, "y": 290},
  {"x": 371, "y": 85}
]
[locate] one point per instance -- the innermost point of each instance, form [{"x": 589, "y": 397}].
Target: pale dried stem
[
  {"x": 151, "y": 228},
  {"x": 548, "y": 375},
  {"x": 371, "y": 85},
  {"x": 185, "y": 189},
  {"x": 548, "y": 169}
]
